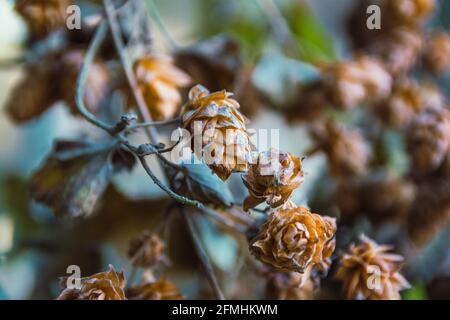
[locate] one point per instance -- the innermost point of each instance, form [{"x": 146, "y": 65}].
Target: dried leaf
[
  {"x": 197, "y": 181},
  {"x": 214, "y": 63},
  {"x": 72, "y": 186}
]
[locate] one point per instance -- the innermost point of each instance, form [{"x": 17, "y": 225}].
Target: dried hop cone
[
  {"x": 146, "y": 250},
  {"x": 272, "y": 178},
  {"x": 369, "y": 271},
  {"x": 296, "y": 240},
  {"x": 437, "y": 53},
  {"x": 399, "y": 50},
  {"x": 97, "y": 82},
  {"x": 159, "y": 81},
  {"x": 404, "y": 103},
  {"x": 154, "y": 290},
  {"x": 428, "y": 140},
  {"x": 409, "y": 12},
  {"x": 350, "y": 83},
  {"x": 43, "y": 16},
  {"x": 346, "y": 150},
  {"x": 108, "y": 285},
  {"x": 289, "y": 286},
  {"x": 218, "y": 130}
]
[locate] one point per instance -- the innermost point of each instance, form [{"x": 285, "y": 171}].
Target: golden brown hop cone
[
  {"x": 430, "y": 213},
  {"x": 380, "y": 195},
  {"x": 289, "y": 286},
  {"x": 272, "y": 178},
  {"x": 408, "y": 12},
  {"x": 368, "y": 271},
  {"x": 108, "y": 285},
  {"x": 437, "y": 53},
  {"x": 43, "y": 16},
  {"x": 146, "y": 250},
  {"x": 295, "y": 240},
  {"x": 404, "y": 103},
  {"x": 351, "y": 83},
  {"x": 97, "y": 83},
  {"x": 428, "y": 140},
  {"x": 160, "y": 81},
  {"x": 218, "y": 130},
  {"x": 398, "y": 50},
  {"x": 161, "y": 289},
  {"x": 346, "y": 150},
  {"x": 35, "y": 92}
]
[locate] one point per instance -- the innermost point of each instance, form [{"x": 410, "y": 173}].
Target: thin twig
[
  {"x": 219, "y": 218},
  {"x": 154, "y": 124},
  {"x": 157, "y": 17},
  {"x": 99, "y": 36},
  {"x": 120, "y": 46},
  {"x": 172, "y": 194},
  {"x": 204, "y": 259}
]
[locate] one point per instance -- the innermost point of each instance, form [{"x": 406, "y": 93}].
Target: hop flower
[
  {"x": 290, "y": 286},
  {"x": 437, "y": 53},
  {"x": 108, "y": 285},
  {"x": 159, "y": 81},
  {"x": 399, "y": 50},
  {"x": 404, "y": 103},
  {"x": 379, "y": 195},
  {"x": 409, "y": 12},
  {"x": 35, "y": 92},
  {"x": 217, "y": 126},
  {"x": 273, "y": 178},
  {"x": 428, "y": 140},
  {"x": 346, "y": 150},
  {"x": 369, "y": 271},
  {"x": 96, "y": 87},
  {"x": 146, "y": 251},
  {"x": 350, "y": 83},
  {"x": 43, "y": 16},
  {"x": 296, "y": 240},
  {"x": 154, "y": 290}
]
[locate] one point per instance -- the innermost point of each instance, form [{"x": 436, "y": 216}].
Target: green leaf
[
  {"x": 416, "y": 292},
  {"x": 196, "y": 180},
  {"x": 71, "y": 185},
  {"x": 316, "y": 45}
]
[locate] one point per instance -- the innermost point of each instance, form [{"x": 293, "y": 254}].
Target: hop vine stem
[{"x": 151, "y": 130}]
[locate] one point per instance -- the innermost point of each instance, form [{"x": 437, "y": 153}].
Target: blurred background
[{"x": 35, "y": 248}]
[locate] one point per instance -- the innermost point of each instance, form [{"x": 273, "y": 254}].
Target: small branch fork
[{"x": 119, "y": 131}]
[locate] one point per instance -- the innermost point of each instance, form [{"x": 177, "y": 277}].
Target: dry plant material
[
  {"x": 408, "y": 12},
  {"x": 398, "y": 50},
  {"x": 428, "y": 140},
  {"x": 295, "y": 240},
  {"x": 351, "y": 83},
  {"x": 437, "y": 53},
  {"x": 346, "y": 150},
  {"x": 289, "y": 286},
  {"x": 272, "y": 179},
  {"x": 146, "y": 251},
  {"x": 97, "y": 83},
  {"x": 369, "y": 271},
  {"x": 43, "y": 16},
  {"x": 217, "y": 126},
  {"x": 160, "y": 82},
  {"x": 108, "y": 285},
  {"x": 402, "y": 106},
  {"x": 161, "y": 289}
]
